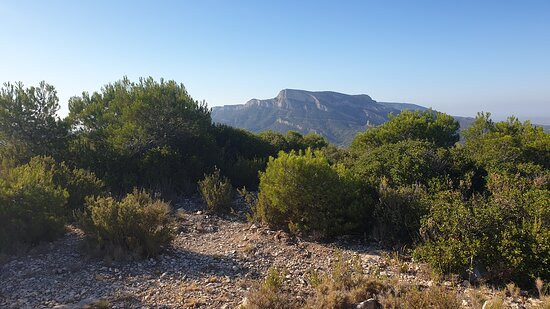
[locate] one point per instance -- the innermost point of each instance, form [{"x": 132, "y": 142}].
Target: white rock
[
  {"x": 370, "y": 303},
  {"x": 244, "y": 302}
]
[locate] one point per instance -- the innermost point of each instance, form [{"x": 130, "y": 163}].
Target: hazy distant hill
[{"x": 336, "y": 116}]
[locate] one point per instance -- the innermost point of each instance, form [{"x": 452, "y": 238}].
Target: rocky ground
[{"x": 212, "y": 263}]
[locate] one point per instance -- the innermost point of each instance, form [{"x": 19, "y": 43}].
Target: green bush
[
  {"x": 29, "y": 125},
  {"x": 494, "y": 226},
  {"x": 216, "y": 192},
  {"x": 403, "y": 163},
  {"x": 454, "y": 233},
  {"x": 79, "y": 183},
  {"x": 336, "y": 155},
  {"x": 434, "y": 127},
  {"x": 293, "y": 140},
  {"x": 235, "y": 143},
  {"x": 502, "y": 146},
  {"x": 304, "y": 193},
  {"x": 524, "y": 238},
  {"x": 244, "y": 172},
  {"x": 32, "y": 206},
  {"x": 464, "y": 173},
  {"x": 130, "y": 130},
  {"x": 242, "y": 155},
  {"x": 505, "y": 236},
  {"x": 398, "y": 213},
  {"x": 137, "y": 224},
  {"x": 160, "y": 167}
]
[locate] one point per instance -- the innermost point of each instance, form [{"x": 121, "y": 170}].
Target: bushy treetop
[{"x": 438, "y": 128}]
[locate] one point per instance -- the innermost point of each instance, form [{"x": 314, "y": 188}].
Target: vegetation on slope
[{"x": 479, "y": 209}]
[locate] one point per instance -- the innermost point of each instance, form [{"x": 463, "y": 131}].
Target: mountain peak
[
  {"x": 306, "y": 95},
  {"x": 337, "y": 116},
  {"x": 293, "y": 94}
]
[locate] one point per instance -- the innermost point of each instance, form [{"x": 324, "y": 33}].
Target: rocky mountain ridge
[{"x": 336, "y": 116}]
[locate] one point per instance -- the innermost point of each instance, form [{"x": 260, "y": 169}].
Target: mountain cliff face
[{"x": 336, "y": 116}]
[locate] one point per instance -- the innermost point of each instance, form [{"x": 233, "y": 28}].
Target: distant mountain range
[{"x": 336, "y": 116}]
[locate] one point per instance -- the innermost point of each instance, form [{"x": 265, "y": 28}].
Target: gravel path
[{"x": 211, "y": 264}]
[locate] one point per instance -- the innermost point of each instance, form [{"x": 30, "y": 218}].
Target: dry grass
[
  {"x": 396, "y": 261},
  {"x": 98, "y": 304},
  {"x": 513, "y": 290},
  {"x": 497, "y": 302},
  {"x": 270, "y": 294},
  {"x": 476, "y": 297},
  {"x": 212, "y": 279},
  {"x": 345, "y": 286},
  {"x": 542, "y": 290},
  {"x": 192, "y": 287},
  {"x": 411, "y": 297},
  {"x": 545, "y": 304},
  {"x": 249, "y": 249},
  {"x": 193, "y": 302}
]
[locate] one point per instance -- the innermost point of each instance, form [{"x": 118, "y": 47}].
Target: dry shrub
[
  {"x": 408, "y": 297},
  {"x": 345, "y": 286},
  {"x": 542, "y": 289},
  {"x": 216, "y": 192},
  {"x": 270, "y": 293},
  {"x": 137, "y": 224},
  {"x": 497, "y": 302}
]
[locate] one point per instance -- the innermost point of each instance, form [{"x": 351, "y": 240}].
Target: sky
[{"x": 459, "y": 57}]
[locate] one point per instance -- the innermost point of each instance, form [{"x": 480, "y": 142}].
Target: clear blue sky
[{"x": 456, "y": 56}]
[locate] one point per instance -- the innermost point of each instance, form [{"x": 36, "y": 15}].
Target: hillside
[
  {"x": 336, "y": 116},
  {"x": 138, "y": 200}
]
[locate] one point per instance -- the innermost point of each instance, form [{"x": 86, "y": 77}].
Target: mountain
[{"x": 336, "y": 116}]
